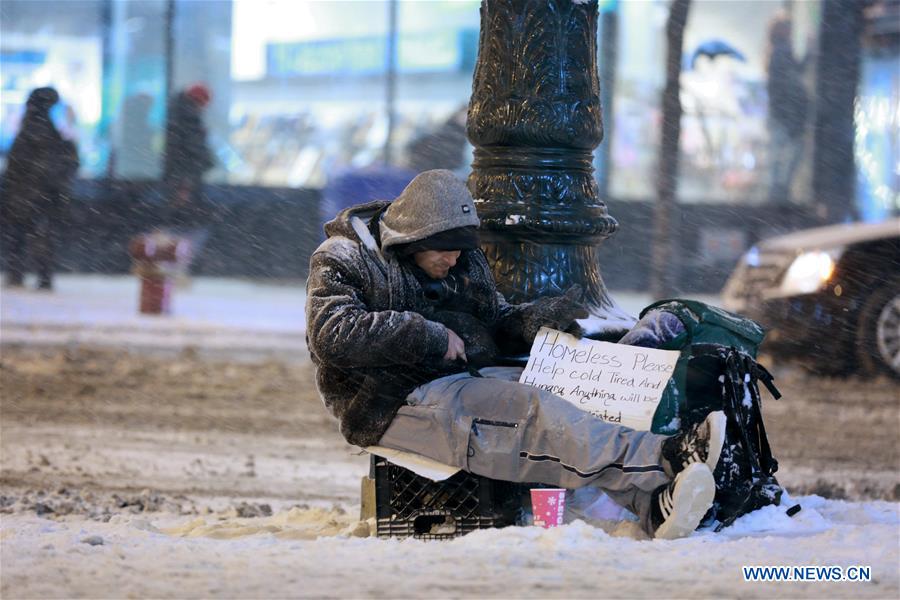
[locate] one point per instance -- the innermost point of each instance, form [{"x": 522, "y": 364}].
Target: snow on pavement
[
  {"x": 281, "y": 556},
  {"x": 213, "y": 314},
  {"x": 210, "y": 302},
  {"x": 316, "y": 549}
]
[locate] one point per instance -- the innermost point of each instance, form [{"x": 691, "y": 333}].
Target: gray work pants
[{"x": 495, "y": 427}]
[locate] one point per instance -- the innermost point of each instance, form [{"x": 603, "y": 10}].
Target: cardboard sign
[{"x": 615, "y": 382}]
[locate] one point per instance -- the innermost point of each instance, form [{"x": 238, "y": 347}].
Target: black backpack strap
[
  {"x": 761, "y": 373},
  {"x": 734, "y": 380},
  {"x": 767, "y": 461},
  {"x": 758, "y": 372},
  {"x": 737, "y": 366}
]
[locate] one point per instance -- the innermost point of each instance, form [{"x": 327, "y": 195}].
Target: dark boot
[
  {"x": 43, "y": 253},
  {"x": 702, "y": 443},
  {"x": 14, "y": 242}
]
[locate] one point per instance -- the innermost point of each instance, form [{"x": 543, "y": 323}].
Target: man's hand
[
  {"x": 456, "y": 349},
  {"x": 558, "y": 312}
]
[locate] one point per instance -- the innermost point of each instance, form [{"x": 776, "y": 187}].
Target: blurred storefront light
[{"x": 299, "y": 88}]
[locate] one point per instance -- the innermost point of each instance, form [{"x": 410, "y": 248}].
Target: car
[{"x": 828, "y": 296}]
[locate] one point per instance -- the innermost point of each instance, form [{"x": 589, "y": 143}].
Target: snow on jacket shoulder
[{"x": 368, "y": 329}]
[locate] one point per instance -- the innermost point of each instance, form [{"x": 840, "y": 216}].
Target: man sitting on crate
[{"x": 401, "y": 310}]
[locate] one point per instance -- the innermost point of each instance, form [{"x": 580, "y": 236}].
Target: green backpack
[{"x": 717, "y": 370}]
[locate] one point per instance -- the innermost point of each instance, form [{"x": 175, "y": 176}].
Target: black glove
[{"x": 558, "y": 312}]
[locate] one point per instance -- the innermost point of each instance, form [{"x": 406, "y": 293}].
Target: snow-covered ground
[
  {"x": 187, "y": 473},
  {"x": 210, "y": 314},
  {"x": 277, "y": 557}
]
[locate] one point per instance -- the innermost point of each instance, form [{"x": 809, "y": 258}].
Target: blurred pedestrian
[
  {"x": 788, "y": 107},
  {"x": 187, "y": 158},
  {"x": 40, "y": 168}
]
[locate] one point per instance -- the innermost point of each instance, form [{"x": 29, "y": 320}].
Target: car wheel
[{"x": 878, "y": 335}]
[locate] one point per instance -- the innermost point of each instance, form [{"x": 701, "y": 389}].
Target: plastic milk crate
[{"x": 409, "y": 505}]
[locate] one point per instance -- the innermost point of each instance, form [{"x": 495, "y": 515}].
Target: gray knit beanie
[{"x": 433, "y": 202}]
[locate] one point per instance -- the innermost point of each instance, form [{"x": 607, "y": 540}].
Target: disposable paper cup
[{"x": 548, "y": 506}]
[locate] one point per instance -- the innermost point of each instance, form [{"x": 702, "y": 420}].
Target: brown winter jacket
[{"x": 370, "y": 330}]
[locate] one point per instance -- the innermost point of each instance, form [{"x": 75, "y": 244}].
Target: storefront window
[
  {"x": 438, "y": 45},
  {"x": 724, "y": 137},
  {"x": 135, "y": 91},
  {"x": 55, "y": 43},
  {"x": 877, "y": 116},
  {"x": 307, "y": 90},
  {"x": 300, "y": 89},
  {"x": 309, "y": 87}
]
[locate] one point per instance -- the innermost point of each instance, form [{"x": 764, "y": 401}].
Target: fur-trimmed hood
[{"x": 353, "y": 223}]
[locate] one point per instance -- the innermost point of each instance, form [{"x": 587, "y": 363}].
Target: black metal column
[{"x": 535, "y": 119}]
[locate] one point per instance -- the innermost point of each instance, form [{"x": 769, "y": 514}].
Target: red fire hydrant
[{"x": 158, "y": 258}]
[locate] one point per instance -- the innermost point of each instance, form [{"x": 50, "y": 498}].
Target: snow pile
[{"x": 294, "y": 524}]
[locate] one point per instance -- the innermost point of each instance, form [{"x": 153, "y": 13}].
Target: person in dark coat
[
  {"x": 788, "y": 108},
  {"x": 401, "y": 312},
  {"x": 40, "y": 167},
  {"x": 187, "y": 158}
]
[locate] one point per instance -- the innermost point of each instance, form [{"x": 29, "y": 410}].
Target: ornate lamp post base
[{"x": 535, "y": 119}]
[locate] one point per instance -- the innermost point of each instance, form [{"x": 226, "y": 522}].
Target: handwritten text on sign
[{"x": 618, "y": 383}]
